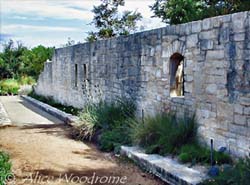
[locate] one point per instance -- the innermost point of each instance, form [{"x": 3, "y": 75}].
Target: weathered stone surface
[
  {"x": 215, "y": 55},
  {"x": 192, "y": 40},
  {"x": 166, "y": 168},
  {"x": 216, "y": 74}
]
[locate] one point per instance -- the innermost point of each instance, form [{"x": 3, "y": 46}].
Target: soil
[{"x": 46, "y": 154}]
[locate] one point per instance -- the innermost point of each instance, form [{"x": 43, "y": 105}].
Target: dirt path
[{"x": 46, "y": 154}]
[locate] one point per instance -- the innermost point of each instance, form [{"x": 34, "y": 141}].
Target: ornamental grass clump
[
  {"x": 107, "y": 124},
  {"x": 164, "y": 133}
]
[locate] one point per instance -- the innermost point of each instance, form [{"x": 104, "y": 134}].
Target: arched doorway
[{"x": 176, "y": 69}]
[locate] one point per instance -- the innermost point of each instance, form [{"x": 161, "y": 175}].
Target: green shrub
[
  {"x": 26, "y": 80},
  {"x": 9, "y": 86},
  {"x": 164, "y": 133},
  {"x": 5, "y": 167},
  {"x": 113, "y": 139},
  {"x": 237, "y": 174}
]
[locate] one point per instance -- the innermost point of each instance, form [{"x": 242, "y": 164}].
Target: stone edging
[
  {"x": 66, "y": 117},
  {"x": 166, "y": 168},
  {"x": 4, "y": 118}
]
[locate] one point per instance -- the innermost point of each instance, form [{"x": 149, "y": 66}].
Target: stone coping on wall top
[
  {"x": 219, "y": 18},
  {"x": 166, "y": 168}
]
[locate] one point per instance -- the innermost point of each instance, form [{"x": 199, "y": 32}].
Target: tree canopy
[
  {"x": 110, "y": 23},
  {"x": 17, "y": 60},
  {"x": 182, "y": 11}
]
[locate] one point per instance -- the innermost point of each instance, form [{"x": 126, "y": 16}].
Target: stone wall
[{"x": 216, "y": 75}]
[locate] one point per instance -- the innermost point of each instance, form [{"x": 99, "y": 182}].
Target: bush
[
  {"x": 26, "y": 80},
  {"x": 5, "y": 167},
  {"x": 106, "y": 123},
  {"x": 164, "y": 133},
  {"x": 237, "y": 174},
  {"x": 9, "y": 87},
  {"x": 113, "y": 139}
]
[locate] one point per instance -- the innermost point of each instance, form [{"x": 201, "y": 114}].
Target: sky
[{"x": 52, "y": 22}]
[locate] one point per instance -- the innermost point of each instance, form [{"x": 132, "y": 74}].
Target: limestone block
[
  {"x": 247, "y": 110},
  {"x": 211, "y": 89},
  {"x": 196, "y": 26},
  {"x": 238, "y": 129},
  {"x": 192, "y": 40},
  {"x": 238, "y": 20},
  {"x": 215, "y": 55},
  {"x": 206, "y": 44},
  {"x": 239, "y": 119},
  {"x": 158, "y": 73},
  {"x": 239, "y": 37},
  {"x": 206, "y": 24},
  {"x": 225, "y": 110},
  {"x": 238, "y": 109},
  {"x": 211, "y": 34}
]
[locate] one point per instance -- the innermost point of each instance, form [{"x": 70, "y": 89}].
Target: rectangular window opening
[
  {"x": 76, "y": 72},
  {"x": 85, "y": 71}
]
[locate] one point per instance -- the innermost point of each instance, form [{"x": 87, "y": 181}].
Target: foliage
[
  {"x": 110, "y": 23},
  {"x": 17, "y": 60},
  {"x": 5, "y": 167},
  {"x": 10, "y": 60},
  {"x": 196, "y": 153},
  {"x": 26, "y": 80},
  {"x": 106, "y": 123},
  {"x": 164, "y": 133},
  {"x": 237, "y": 174},
  {"x": 9, "y": 87},
  {"x": 53, "y": 103},
  {"x": 182, "y": 11},
  {"x": 33, "y": 60}
]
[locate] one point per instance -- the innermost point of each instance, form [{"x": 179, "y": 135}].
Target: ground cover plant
[
  {"x": 53, "y": 103},
  {"x": 238, "y": 174},
  {"x": 5, "y": 167}
]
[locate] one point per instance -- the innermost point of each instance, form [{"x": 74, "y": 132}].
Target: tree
[
  {"x": 17, "y": 60},
  {"x": 182, "y": 11},
  {"x": 10, "y": 59},
  {"x": 110, "y": 23},
  {"x": 34, "y": 59}
]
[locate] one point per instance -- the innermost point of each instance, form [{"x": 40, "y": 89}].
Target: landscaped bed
[{"x": 111, "y": 125}]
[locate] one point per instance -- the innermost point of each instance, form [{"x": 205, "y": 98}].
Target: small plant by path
[
  {"x": 5, "y": 167},
  {"x": 239, "y": 174}
]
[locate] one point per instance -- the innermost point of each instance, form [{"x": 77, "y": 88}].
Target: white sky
[{"x": 52, "y": 22}]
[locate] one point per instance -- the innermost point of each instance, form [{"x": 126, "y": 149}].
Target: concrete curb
[
  {"x": 4, "y": 118},
  {"x": 166, "y": 168},
  {"x": 66, "y": 117}
]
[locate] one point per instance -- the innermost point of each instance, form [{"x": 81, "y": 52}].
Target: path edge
[
  {"x": 4, "y": 120},
  {"x": 66, "y": 117}
]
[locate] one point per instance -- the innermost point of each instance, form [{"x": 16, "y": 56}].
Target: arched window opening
[{"x": 176, "y": 70}]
